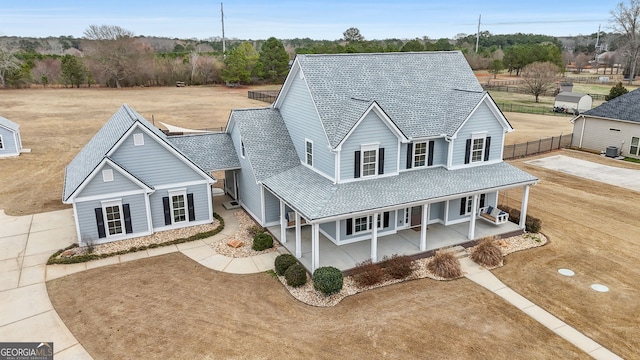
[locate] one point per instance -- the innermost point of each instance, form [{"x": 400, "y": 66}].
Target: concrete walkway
[
  {"x": 486, "y": 279},
  {"x": 26, "y": 242}
]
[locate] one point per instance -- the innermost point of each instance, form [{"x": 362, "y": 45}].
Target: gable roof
[
  {"x": 570, "y": 96},
  {"x": 219, "y": 155},
  {"x": 267, "y": 143},
  {"x": 625, "y": 107},
  {"x": 102, "y": 142},
  {"x": 6, "y": 123},
  {"x": 424, "y": 93}
]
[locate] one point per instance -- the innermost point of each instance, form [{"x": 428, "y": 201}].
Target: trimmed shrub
[
  {"x": 262, "y": 241},
  {"x": 283, "y": 262},
  {"x": 487, "y": 253},
  {"x": 367, "y": 273},
  {"x": 328, "y": 280},
  {"x": 445, "y": 265},
  {"x": 398, "y": 267},
  {"x": 295, "y": 275}
]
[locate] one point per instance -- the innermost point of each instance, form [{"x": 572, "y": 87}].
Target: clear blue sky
[{"x": 317, "y": 19}]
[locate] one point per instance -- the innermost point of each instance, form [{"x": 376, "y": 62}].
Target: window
[
  {"x": 178, "y": 206},
  {"x": 138, "y": 139},
  {"x": 634, "y": 149},
  {"x": 242, "y": 152},
  {"x": 309, "y": 152},
  {"x": 360, "y": 224},
  {"x": 420, "y": 154},
  {"x": 477, "y": 148},
  {"x": 1, "y": 143},
  {"x": 113, "y": 217},
  {"x": 107, "y": 175}
]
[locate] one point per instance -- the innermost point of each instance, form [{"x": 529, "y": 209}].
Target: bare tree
[
  {"x": 539, "y": 77},
  {"x": 8, "y": 62},
  {"x": 625, "y": 19},
  {"x": 193, "y": 61},
  {"x": 581, "y": 61},
  {"x": 46, "y": 71},
  {"x": 115, "y": 54}
]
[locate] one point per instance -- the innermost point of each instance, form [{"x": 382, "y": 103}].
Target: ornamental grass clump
[
  {"x": 295, "y": 275},
  {"x": 367, "y": 274},
  {"x": 283, "y": 262},
  {"x": 445, "y": 265},
  {"x": 328, "y": 280},
  {"x": 487, "y": 253}
]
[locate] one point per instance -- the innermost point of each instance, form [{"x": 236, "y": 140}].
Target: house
[
  {"x": 614, "y": 124},
  {"x": 10, "y": 142},
  {"x": 573, "y": 102},
  {"x": 361, "y": 146},
  {"x": 130, "y": 180},
  {"x": 356, "y": 147}
]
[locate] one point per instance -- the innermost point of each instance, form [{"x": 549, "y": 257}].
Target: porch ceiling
[{"x": 318, "y": 198}]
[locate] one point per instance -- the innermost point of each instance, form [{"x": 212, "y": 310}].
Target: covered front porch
[{"x": 404, "y": 242}]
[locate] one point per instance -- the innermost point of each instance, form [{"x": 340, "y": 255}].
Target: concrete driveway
[
  {"x": 627, "y": 178},
  {"x": 26, "y": 242}
]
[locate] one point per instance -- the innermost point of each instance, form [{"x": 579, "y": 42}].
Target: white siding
[
  {"x": 302, "y": 121},
  {"x": 598, "y": 134}
]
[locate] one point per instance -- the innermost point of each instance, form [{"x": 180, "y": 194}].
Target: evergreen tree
[
  {"x": 73, "y": 71},
  {"x": 413, "y": 45},
  {"x": 273, "y": 61},
  {"x": 616, "y": 91},
  {"x": 240, "y": 63}
]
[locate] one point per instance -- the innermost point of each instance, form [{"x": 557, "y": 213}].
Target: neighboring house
[
  {"x": 615, "y": 123},
  {"x": 130, "y": 181},
  {"x": 573, "y": 102},
  {"x": 360, "y": 146},
  {"x": 10, "y": 142}
]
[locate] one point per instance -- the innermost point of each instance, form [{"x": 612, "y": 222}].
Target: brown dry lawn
[{"x": 170, "y": 307}]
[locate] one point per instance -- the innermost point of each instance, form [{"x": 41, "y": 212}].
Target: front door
[{"x": 416, "y": 215}]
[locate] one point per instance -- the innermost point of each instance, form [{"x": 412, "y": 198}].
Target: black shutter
[
  {"x": 127, "y": 218},
  {"x": 380, "y": 161},
  {"x": 349, "y": 226},
  {"x": 191, "y": 208},
  {"x": 167, "y": 210},
  {"x": 467, "y": 153},
  {"x": 385, "y": 219},
  {"x": 100, "y": 223},
  {"x": 463, "y": 206},
  {"x": 356, "y": 165},
  {"x": 409, "y": 155},
  {"x": 487, "y": 147},
  {"x": 482, "y": 197},
  {"x": 430, "y": 159}
]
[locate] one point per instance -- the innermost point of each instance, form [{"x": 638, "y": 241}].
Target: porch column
[
  {"x": 283, "y": 223},
  {"x": 472, "y": 221},
  {"x": 423, "y": 227},
  {"x": 298, "y": 241},
  {"x": 374, "y": 238},
  {"x": 315, "y": 247},
  {"x": 523, "y": 208}
]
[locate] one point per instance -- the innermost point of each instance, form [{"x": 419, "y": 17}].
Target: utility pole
[
  {"x": 478, "y": 34},
  {"x": 224, "y": 49}
]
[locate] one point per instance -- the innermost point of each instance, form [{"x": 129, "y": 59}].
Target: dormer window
[
  {"x": 242, "y": 152},
  {"x": 308, "y": 152},
  {"x": 369, "y": 161},
  {"x": 477, "y": 149},
  {"x": 420, "y": 154}
]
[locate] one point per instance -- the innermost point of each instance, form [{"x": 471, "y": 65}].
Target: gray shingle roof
[
  {"x": 569, "y": 96},
  {"x": 266, "y": 139},
  {"x": 424, "y": 93},
  {"x": 8, "y": 124},
  {"x": 220, "y": 153},
  {"x": 97, "y": 148},
  {"x": 316, "y": 197},
  {"x": 625, "y": 107}
]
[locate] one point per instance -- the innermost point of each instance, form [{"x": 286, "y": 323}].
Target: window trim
[
  {"x": 138, "y": 139},
  {"x": 109, "y": 204},
  {"x": 185, "y": 206},
  {"x": 308, "y": 155},
  {"x": 368, "y": 148},
  {"x": 1, "y": 142},
  {"x": 107, "y": 175},
  {"x": 425, "y": 154},
  {"x": 637, "y": 146},
  {"x": 478, "y": 136},
  {"x": 242, "y": 150},
  {"x": 358, "y": 223}
]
